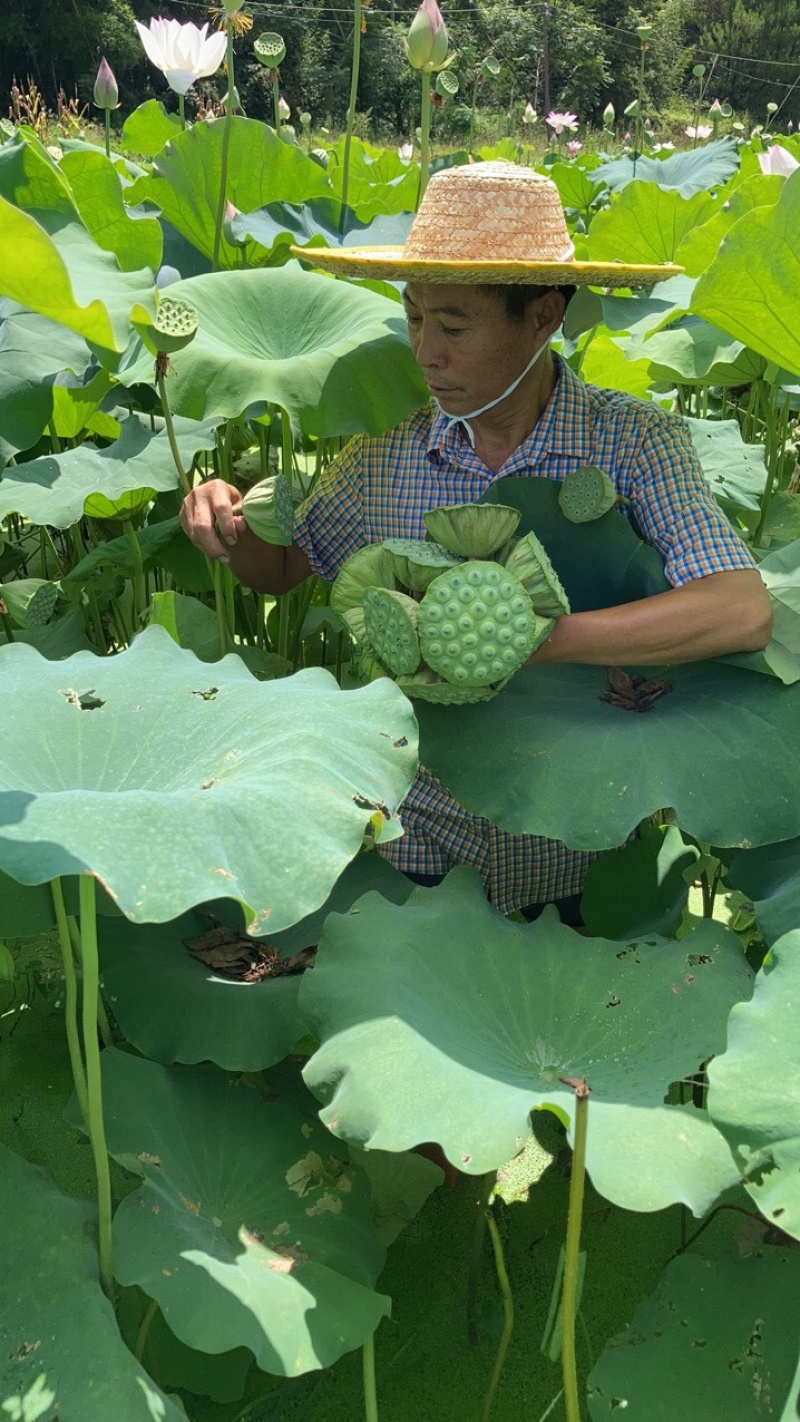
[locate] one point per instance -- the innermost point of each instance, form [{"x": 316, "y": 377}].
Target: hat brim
[{"x": 389, "y": 264}]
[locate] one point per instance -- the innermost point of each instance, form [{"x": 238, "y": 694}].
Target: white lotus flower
[
  {"x": 183, "y": 53},
  {"x": 778, "y": 161}
]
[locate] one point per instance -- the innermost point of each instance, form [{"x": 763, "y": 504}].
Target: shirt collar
[{"x": 564, "y": 426}]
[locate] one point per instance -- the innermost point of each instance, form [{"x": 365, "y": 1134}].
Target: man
[{"x": 508, "y": 406}]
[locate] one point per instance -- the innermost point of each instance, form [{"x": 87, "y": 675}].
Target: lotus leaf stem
[
  {"x": 276, "y": 100},
  {"x": 370, "y": 1393},
  {"x": 170, "y": 427},
  {"x": 144, "y": 1329},
  {"x": 301, "y": 611},
  {"x": 107, "y": 113},
  {"x": 5, "y": 620},
  {"x": 775, "y": 432},
  {"x": 572, "y": 1250},
  {"x": 424, "y": 133},
  {"x": 70, "y": 998},
  {"x": 508, "y": 1312},
  {"x": 218, "y": 570},
  {"x": 351, "y": 109},
  {"x": 138, "y": 572},
  {"x": 94, "y": 1089},
  {"x": 479, "y": 1235},
  {"x": 102, "y": 1015},
  {"x": 182, "y": 110},
  {"x": 226, "y": 143}
]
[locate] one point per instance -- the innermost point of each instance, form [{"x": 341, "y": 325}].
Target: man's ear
[{"x": 549, "y": 311}]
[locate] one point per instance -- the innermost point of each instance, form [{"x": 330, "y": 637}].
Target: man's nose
[{"x": 428, "y": 349}]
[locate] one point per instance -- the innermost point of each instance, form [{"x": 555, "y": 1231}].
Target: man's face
[{"x": 467, "y": 347}]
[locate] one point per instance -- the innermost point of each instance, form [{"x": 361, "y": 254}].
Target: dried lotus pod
[
  {"x": 418, "y": 562},
  {"x": 586, "y": 494},
  {"x": 529, "y": 562},
  {"x": 370, "y": 567},
  {"x": 472, "y": 530},
  {"x": 29, "y": 602},
  {"x": 390, "y": 619},
  {"x": 426, "y": 685},
  {"x": 268, "y": 510},
  {"x": 477, "y": 625},
  {"x": 174, "y": 327}
]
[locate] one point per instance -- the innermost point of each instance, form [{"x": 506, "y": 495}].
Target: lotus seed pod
[
  {"x": 370, "y": 667},
  {"x": 390, "y": 619},
  {"x": 29, "y": 602},
  {"x": 370, "y": 567},
  {"x": 476, "y": 624},
  {"x": 472, "y": 530},
  {"x": 268, "y": 510},
  {"x": 446, "y": 85},
  {"x": 586, "y": 494},
  {"x": 418, "y": 562},
  {"x": 425, "y": 685},
  {"x": 529, "y": 562},
  {"x": 270, "y": 49},
  {"x": 174, "y": 327}
]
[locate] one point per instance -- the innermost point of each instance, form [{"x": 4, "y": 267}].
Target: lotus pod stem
[
  {"x": 586, "y": 494},
  {"x": 477, "y": 625},
  {"x": 391, "y": 620},
  {"x": 268, "y": 510},
  {"x": 472, "y": 530}
]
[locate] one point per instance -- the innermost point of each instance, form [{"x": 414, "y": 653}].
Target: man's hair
[{"x": 518, "y": 298}]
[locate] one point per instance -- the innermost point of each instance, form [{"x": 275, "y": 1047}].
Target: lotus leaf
[
  {"x": 770, "y": 876},
  {"x": 692, "y": 172},
  {"x": 172, "y": 784},
  {"x": 33, "y": 352},
  {"x": 640, "y": 888}
]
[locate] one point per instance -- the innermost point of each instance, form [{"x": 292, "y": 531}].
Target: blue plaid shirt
[{"x": 381, "y": 487}]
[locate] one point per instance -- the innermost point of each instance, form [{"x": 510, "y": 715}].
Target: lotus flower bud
[
  {"x": 231, "y": 6},
  {"x": 166, "y": 276},
  {"x": 227, "y": 226},
  {"x": 426, "y": 45},
  {"x": 106, "y": 93},
  {"x": 283, "y": 109},
  {"x": 608, "y": 116},
  {"x": 529, "y": 115}
]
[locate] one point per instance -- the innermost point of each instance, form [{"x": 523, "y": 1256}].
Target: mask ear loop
[{"x": 465, "y": 419}]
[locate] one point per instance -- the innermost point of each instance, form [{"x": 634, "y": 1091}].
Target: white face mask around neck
[{"x": 465, "y": 419}]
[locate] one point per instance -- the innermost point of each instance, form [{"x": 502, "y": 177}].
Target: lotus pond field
[{"x": 212, "y": 1205}]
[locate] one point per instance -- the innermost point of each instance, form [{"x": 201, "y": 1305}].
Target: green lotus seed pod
[
  {"x": 268, "y": 510},
  {"x": 472, "y": 530},
  {"x": 391, "y": 620},
  {"x": 425, "y": 685},
  {"x": 418, "y": 562},
  {"x": 29, "y": 602},
  {"x": 528, "y": 561},
  {"x": 476, "y": 624},
  {"x": 174, "y": 327},
  {"x": 270, "y": 49},
  {"x": 370, "y": 567},
  {"x": 586, "y": 494},
  {"x": 368, "y": 666}
]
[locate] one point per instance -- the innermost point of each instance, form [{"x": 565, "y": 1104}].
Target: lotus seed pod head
[
  {"x": 391, "y": 621},
  {"x": 284, "y": 111},
  {"x": 287, "y": 134},
  {"x": 29, "y": 602},
  {"x": 608, "y": 116},
  {"x": 426, "y": 45},
  {"x": 633, "y": 110},
  {"x": 174, "y": 327},
  {"x": 698, "y": 70},
  {"x": 490, "y": 66},
  {"x": 270, "y": 49},
  {"x": 472, "y": 530},
  {"x": 106, "y": 93},
  {"x": 772, "y": 108},
  {"x": 320, "y": 156},
  {"x": 476, "y": 624},
  {"x": 529, "y": 116},
  {"x": 726, "y": 111},
  {"x": 369, "y": 667},
  {"x": 166, "y": 276},
  {"x": 528, "y": 561},
  {"x": 446, "y": 85},
  {"x": 370, "y": 567},
  {"x": 644, "y": 32},
  {"x": 586, "y": 494},
  {"x": 268, "y": 510},
  {"x": 417, "y": 561},
  {"x": 305, "y": 120}
]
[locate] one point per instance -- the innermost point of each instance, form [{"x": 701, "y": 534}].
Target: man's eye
[{"x": 453, "y": 330}]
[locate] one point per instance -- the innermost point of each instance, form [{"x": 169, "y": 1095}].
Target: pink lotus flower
[
  {"x": 778, "y": 161},
  {"x": 573, "y": 147},
  {"x": 427, "y": 42},
  {"x": 183, "y": 53},
  {"x": 703, "y": 130},
  {"x": 561, "y": 122}
]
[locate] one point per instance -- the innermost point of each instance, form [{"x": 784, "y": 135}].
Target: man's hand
[
  {"x": 709, "y": 617},
  {"x": 211, "y": 516}
]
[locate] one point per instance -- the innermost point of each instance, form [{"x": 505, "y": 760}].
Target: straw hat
[{"x": 485, "y": 222}]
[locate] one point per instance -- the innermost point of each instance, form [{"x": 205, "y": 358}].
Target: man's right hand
[{"x": 211, "y": 516}]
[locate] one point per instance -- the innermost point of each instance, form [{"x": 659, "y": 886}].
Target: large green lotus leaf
[
  {"x": 76, "y": 405},
  {"x": 752, "y": 288},
  {"x": 175, "y": 1009},
  {"x": 33, "y": 352},
  {"x": 186, "y": 179},
  {"x": 718, "y": 1339},
  {"x": 149, "y": 128},
  {"x": 575, "y": 188},
  {"x": 601, "y": 564},
  {"x": 703, "y": 243},
  {"x": 672, "y": 1154},
  {"x": 379, "y": 182},
  {"x": 780, "y": 571},
  {"x": 646, "y": 224},
  {"x": 770, "y": 876},
  {"x": 642, "y": 313},
  {"x": 97, "y": 191},
  {"x": 55, "y": 1320},
  {"x": 440, "y": 1020},
  {"x": 691, "y": 172},
  {"x": 549, "y": 756},
  {"x": 754, "y": 1088},
  {"x": 692, "y": 351},
  {"x": 54, "y": 488},
  {"x": 187, "y": 783},
  {"x": 252, "y": 1229},
  {"x": 639, "y": 888},
  {"x": 400, "y": 1183},
  {"x": 31, "y": 179},
  {"x": 336, "y": 357},
  {"x": 605, "y": 364},
  {"x": 283, "y": 223},
  {"x": 59, "y": 276},
  {"x": 736, "y": 472}
]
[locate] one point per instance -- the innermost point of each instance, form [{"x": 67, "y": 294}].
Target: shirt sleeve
[
  {"x": 329, "y": 524},
  {"x": 675, "y": 509}
]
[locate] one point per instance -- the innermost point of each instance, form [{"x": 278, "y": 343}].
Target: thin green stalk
[
  {"x": 301, "y": 611},
  {"x": 572, "y": 1249},
  {"x": 230, "y": 604},
  {"x": 5, "y": 621},
  {"x": 508, "y": 1312},
  {"x": 226, "y": 143},
  {"x": 144, "y": 1329},
  {"x": 351, "y": 110},
  {"x": 368, "y": 1357},
  {"x": 182, "y": 110},
  {"x": 473, "y": 106},
  {"x": 173, "y": 444},
  {"x": 218, "y": 570},
  {"x": 774, "y": 449},
  {"x": 107, "y": 113},
  {"x": 425, "y": 133},
  {"x": 284, "y": 605},
  {"x": 94, "y": 1089},
  {"x": 276, "y": 101},
  {"x": 138, "y": 572},
  {"x": 48, "y": 539},
  {"x": 70, "y": 998},
  {"x": 478, "y": 1238}
]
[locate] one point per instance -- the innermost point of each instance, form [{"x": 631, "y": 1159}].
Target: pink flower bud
[
  {"x": 106, "y": 93},
  {"x": 426, "y": 45}
]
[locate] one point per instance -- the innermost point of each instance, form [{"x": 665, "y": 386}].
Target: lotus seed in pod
[
  {"x": 476, "y": 624},
  {"x": 586, "y": 494},
  {"x": 390, "y": 619},
  {"x": 268, "y": 510}
]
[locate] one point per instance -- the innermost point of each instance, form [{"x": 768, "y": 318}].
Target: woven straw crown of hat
[{"x": 485, "y": 222}]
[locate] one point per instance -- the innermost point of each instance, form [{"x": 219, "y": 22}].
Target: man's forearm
[{"x": 723, "y": 613}]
